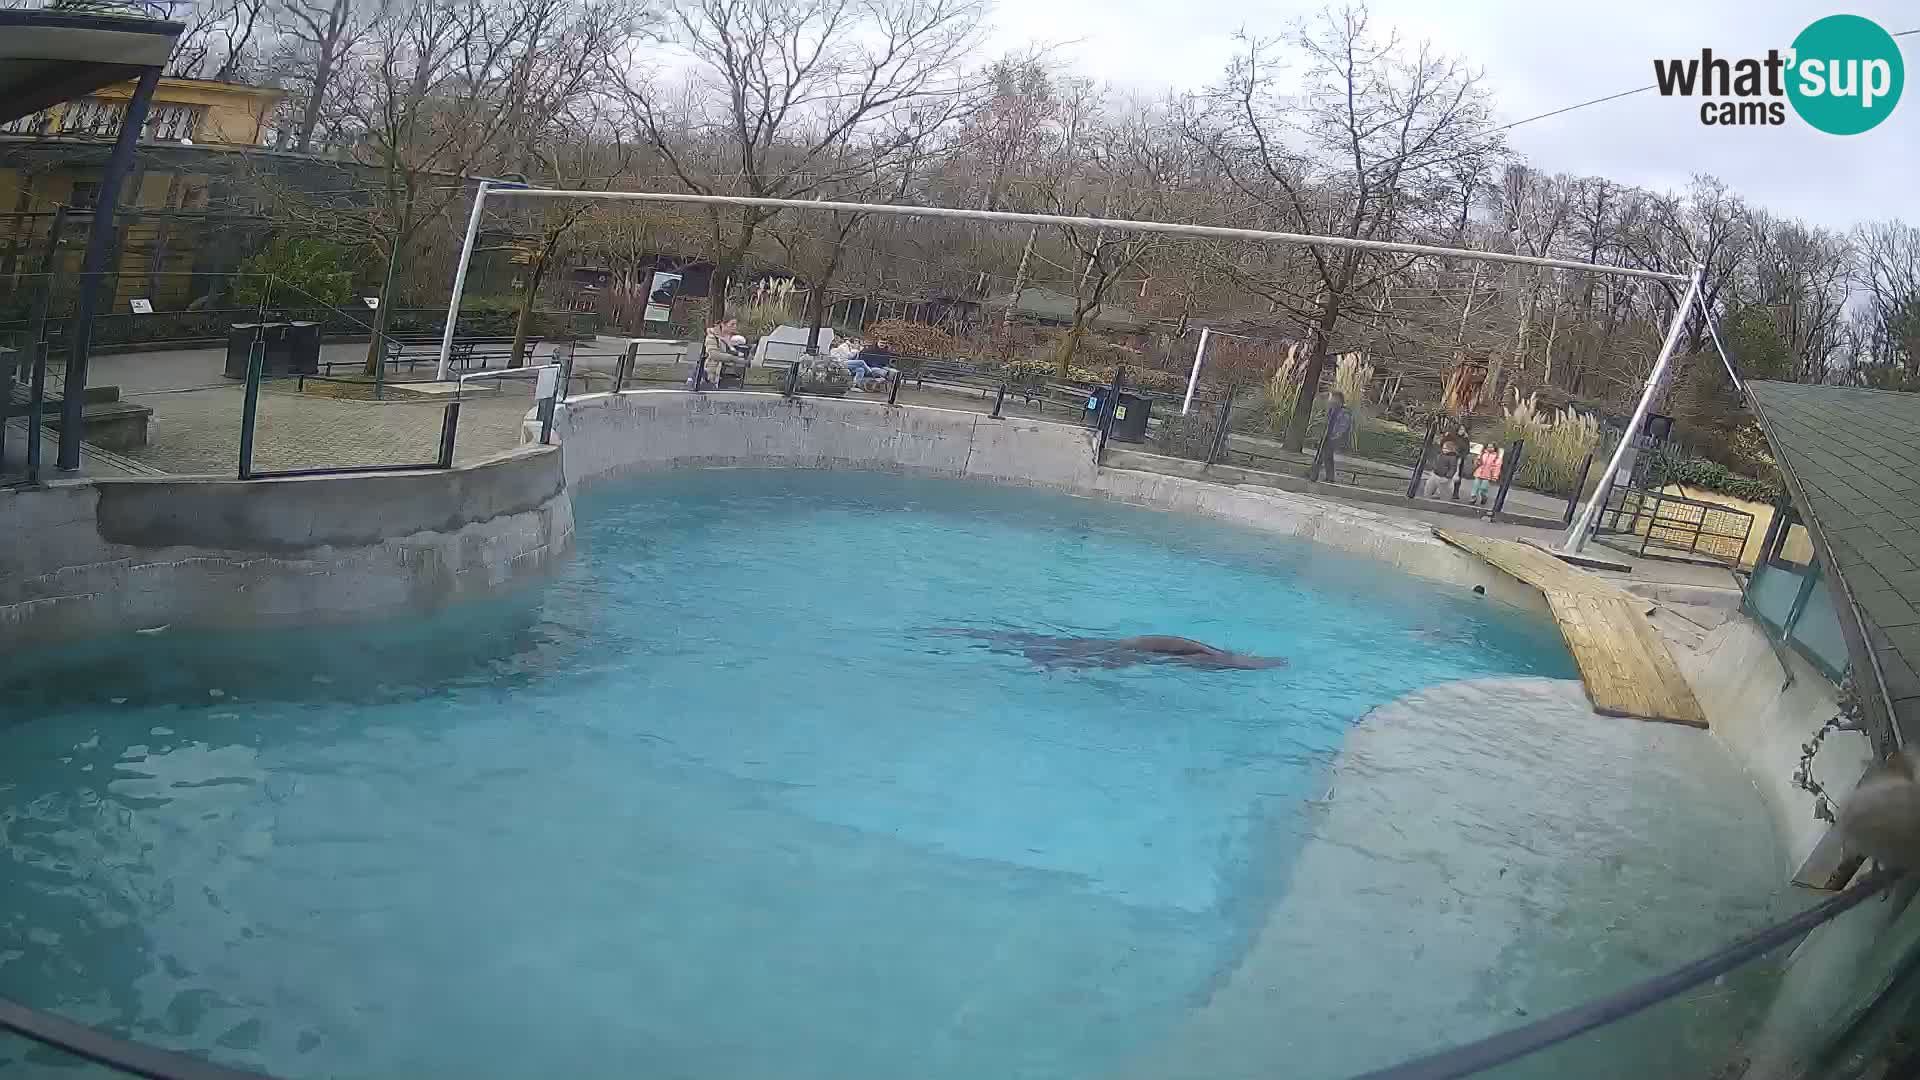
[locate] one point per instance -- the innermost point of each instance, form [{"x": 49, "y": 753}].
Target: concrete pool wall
[
  {"x": 88, "y": 557},
  {"x": 609, "y": 435}
]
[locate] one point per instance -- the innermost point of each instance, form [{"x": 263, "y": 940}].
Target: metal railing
[{"x": 1675, "y": 525}]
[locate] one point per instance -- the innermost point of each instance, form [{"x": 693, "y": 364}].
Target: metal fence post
[
  {"x": 1509, "y": 465},
  {"x": 36, "y": 404},
  {"x": 624, "y": 368},
  {"x": 1579, "y": 486},
  {"x": 1420, "y": 466},
  {"x": 1222, "y": 433},
  {"x": 700, "y": 371},
  {"x": 449, "y": 429},
  {"x": 250, "y": 405},
  {"x": 792, "y": 389},
  {"x": 37, "y": 321},
  {"x": 893, "y": 387},
  {"x": 1111, "y": 406},
  {"x": 999, "y": 399}
]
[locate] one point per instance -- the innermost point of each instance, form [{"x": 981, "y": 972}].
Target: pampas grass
[{"x": 1556, "y": 446}]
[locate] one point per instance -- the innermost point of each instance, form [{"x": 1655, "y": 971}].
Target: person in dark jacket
[
  {"x": 1443, "y": 468},
  {"x": 1339, "y": 435}
]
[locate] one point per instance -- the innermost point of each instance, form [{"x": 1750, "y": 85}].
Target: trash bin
[
  {"x": 1129, "y": 417},
  {"x": 303, "y": 348},
  {"x": 239, "y": 346}
]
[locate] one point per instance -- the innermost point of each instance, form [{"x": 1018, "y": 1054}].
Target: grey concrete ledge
[
  {"x": 609, "y": 435},
  {"x": 89, "y": 557}
]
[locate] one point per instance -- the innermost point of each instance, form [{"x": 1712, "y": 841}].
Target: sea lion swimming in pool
[{"x": 1089, "y": 652}]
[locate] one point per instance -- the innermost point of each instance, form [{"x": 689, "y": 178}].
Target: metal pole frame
[
  {"x": 93, "y": 267},
  {"x": 460, "y": 280},
  {"x": 499, "y": 189},
  {"x": 1580, "y": 485},
  {"x": 1217, "y": 232},
  {"x": 250, "y": 404},
  {"x": 1420, "y": 465},
  {"x": 1193, "y": 377},
  {"x": 1576, "y": 538}
]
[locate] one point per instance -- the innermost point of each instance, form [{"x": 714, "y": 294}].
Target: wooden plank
[{"x": 1624, "y": 663}]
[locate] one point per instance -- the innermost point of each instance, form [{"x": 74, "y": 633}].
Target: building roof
[
  {"x": 50, "y": 56},
  {"x": 1851, "y": 457},
  {"x": 1038, "y": 303}
]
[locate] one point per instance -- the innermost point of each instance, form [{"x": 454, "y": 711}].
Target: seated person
[{"x": 873, "y": 362}]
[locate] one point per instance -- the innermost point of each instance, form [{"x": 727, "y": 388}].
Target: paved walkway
[{"x": 195, "y": 427}]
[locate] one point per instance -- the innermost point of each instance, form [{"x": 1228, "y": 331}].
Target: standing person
[
  {"x": 1339, "y": 433},
  {"x": 1443, "y": 469},
  {"x": 1486, "y": 470}
]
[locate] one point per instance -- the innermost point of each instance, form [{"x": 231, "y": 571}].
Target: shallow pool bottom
[{"x": 726, "y": 800}]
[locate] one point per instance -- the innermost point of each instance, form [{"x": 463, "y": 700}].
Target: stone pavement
[{"x": 196, "y": 417}]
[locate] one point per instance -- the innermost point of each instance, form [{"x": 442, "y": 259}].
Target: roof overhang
[{"x": 51, "y": 56}]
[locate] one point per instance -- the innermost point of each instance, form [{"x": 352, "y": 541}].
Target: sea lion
[{"x": 1089, "y": 652}]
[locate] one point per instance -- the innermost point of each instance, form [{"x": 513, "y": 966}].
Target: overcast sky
[{"x": 1539, "y": 56}]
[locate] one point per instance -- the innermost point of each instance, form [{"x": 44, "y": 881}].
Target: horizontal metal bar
[
  {"x": 282, "y": 474},
  {"x": 133, "y": 1058},
  {"x": 1113, "y": 224}
]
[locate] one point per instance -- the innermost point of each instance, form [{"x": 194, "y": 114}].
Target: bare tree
[
  {"x": 1380, "y": 145},
  {"x": 219, "y": 41},
  {"x": 783, "y": 100},
  {"x": 318, "y": 36},
  {"x": 1887, "y": 275},
  {"x": 425, "y": 98}
]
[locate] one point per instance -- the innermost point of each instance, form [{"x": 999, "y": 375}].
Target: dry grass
[{"x": 1556, "y": 446}]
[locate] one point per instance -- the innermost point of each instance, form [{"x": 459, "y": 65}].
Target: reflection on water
[{"x": 719, "y": 803}]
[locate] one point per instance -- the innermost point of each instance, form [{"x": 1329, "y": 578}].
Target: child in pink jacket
[{"x": 1485, "y": 471}]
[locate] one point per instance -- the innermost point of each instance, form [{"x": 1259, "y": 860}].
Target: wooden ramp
[{"x": 1622, "y": 659}]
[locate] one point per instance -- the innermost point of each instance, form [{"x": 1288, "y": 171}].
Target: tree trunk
[
  {"x": 1310, "y": 378},
  {"x": 376, "y": 345},
  {"x": 534, "y": 273},
  {"x": 1069, "y": 344},
  {"x": 1491, "y": 387},
  {"x": 310, "y": 116},
  {"x": 816, "y": 315}
]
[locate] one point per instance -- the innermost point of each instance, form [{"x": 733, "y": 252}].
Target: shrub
[
  {"x": 1709, "y": 475},
  {"x": 1146, "y": 378},
  {"x": 1283, "y": 389},
  {"x": 1556, "y": 446},
  {"x": 295, "y": 273},
  {"x": 917, "y": 339},
  {"x": 1035, "y": 372}
]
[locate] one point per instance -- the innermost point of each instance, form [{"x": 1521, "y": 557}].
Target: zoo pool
[{"x": 729, "y": 798}]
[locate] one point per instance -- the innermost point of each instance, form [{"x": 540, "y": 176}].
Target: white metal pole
[
  {"x": 1193, "y": 378},
  {"x": 1220, "y": 232},
  {"x": 460, "y": 281},
  {"x": 1577, "y": 536}
]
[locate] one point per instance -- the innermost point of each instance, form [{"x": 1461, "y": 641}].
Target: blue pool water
[{"x": 719, "y": 801}]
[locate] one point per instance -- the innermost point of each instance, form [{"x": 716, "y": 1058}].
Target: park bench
[{"x": 414, "y": 349}]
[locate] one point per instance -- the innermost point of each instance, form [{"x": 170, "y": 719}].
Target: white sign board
[
  {"x": 141, "y": 305},
  {"x": 549, "y": 378},
  {"x": 660, "y": 294},
  {"x": 787, "y": 344},
  {"x": 371, "y": 301}
]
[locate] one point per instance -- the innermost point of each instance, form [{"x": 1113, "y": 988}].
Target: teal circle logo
[{"x": 1847, "y": 74}]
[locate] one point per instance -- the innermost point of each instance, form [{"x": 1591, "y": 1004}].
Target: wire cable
[{"x": 1499, "y": 1049}]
